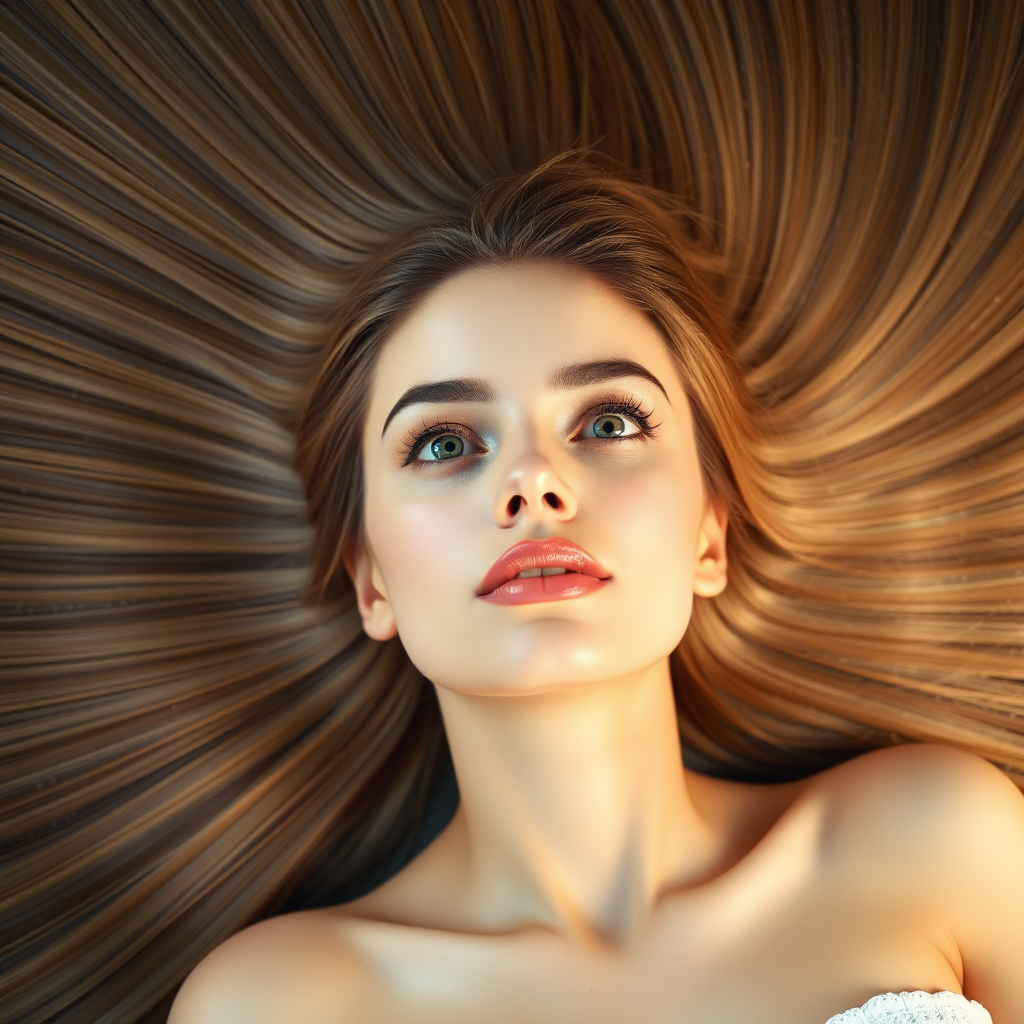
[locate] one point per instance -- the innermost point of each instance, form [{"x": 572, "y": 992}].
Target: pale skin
[{"x": 587, "y": 875}]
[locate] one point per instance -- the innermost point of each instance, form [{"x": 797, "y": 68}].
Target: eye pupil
[
  {"x": 609, "y": 426},
  {"x": 448, "y": 447}
]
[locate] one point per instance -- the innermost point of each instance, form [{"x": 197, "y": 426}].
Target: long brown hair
[{"x": 190, "y": 190}]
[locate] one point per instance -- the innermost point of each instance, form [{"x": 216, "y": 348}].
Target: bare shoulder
[
  {"x": 917, "y": 805},
  {"x": 925, "y": 820},
  {"x": 933, "y": 828},
  {"x": 921, "y": 794},
  {"x": 296, "y": 967}
]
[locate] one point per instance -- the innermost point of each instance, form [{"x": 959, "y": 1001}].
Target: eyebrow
[
  {"x": 472, "y": 389},
  {"x": 466, "y": 389},
  {"x": 579, "y": 375}
]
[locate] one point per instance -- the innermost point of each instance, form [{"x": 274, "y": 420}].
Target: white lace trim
[{"x": 915, "y": 1008}]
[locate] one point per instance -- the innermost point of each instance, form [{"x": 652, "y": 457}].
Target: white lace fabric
[{"x": 915, "y": 1008}]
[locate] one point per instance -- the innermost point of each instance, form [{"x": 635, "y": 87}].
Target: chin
[{"x": 547, "y": 658}]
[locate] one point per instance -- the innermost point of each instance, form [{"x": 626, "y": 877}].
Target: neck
[{"x": 574, "y": 804}]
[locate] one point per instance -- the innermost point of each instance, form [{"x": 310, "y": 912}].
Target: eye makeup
[
  {"x": 416, "y": 440},
  {"x": 626, "y": 405}
]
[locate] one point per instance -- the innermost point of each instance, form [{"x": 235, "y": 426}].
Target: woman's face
[{"x": 517, "y": 405}]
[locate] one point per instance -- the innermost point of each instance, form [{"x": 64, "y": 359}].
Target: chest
[{"x": 796, "y": 962}]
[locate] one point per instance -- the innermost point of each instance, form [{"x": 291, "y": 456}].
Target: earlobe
[
  {"x": 371, "y": 595},
  {"x": 710, "y": 574}
]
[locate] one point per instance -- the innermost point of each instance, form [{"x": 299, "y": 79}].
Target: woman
[
  {"x": 187, "y": 745},
  {"x": 525, "y": 450}
]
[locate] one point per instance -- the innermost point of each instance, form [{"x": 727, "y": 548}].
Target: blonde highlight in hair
[{"x": 192, "y": 191}]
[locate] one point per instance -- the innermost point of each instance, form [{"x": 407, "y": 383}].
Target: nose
[{"x": 533, "y": 489}]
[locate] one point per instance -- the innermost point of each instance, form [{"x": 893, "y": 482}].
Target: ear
[
  {"x": 371, "y": 596},
  {"x": 710, "y": 571}
]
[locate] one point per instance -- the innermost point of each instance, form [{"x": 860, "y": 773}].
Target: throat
[{"x": 574, "y": 804}]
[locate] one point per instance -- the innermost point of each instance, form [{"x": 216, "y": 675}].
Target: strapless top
[{"x": 915, "y": 1008}]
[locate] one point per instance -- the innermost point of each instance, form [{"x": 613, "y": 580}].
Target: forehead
[{"x": 515, "y": 326}]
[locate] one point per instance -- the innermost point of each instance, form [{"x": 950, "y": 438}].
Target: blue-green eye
[
  {"x": 610, "y": 425},
  {"x": 447, "y": 446}
]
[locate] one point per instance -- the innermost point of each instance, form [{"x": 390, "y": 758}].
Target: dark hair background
[{"x": 188, "y": 189}]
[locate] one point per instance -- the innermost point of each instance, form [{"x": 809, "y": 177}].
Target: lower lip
[{"x": 533, "y": 589}]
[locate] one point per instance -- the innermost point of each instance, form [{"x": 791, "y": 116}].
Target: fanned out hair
[{"x": 191, "y": 189}]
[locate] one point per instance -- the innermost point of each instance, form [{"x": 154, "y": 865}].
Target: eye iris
[
  {"x": 609, "y": 426},
  {"x": 447, "y": 447}
]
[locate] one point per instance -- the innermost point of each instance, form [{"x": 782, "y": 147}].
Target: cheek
[
  {"x": 651, "y": 521},
  {"x": 431, "y": 569},
  {"x": 658, "y": 508},
  {"x": 421, "y": 547}
]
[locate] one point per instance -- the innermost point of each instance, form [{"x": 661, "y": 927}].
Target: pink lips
[{"x": 583, "y": 574}]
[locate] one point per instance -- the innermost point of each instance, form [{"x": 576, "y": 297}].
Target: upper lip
[{"x": 551, "y": 553}]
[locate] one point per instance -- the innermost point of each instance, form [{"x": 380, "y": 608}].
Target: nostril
[
  {"x": 553, "y": 500},
  {"x": 513, "y": 504}
]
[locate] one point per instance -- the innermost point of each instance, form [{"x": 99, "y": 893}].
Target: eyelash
[
  {"x": 413, "y": 443},
  {"x": 630, "y": 407}
]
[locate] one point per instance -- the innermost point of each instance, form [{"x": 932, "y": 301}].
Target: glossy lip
[{"x": 585, "y": 574}]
